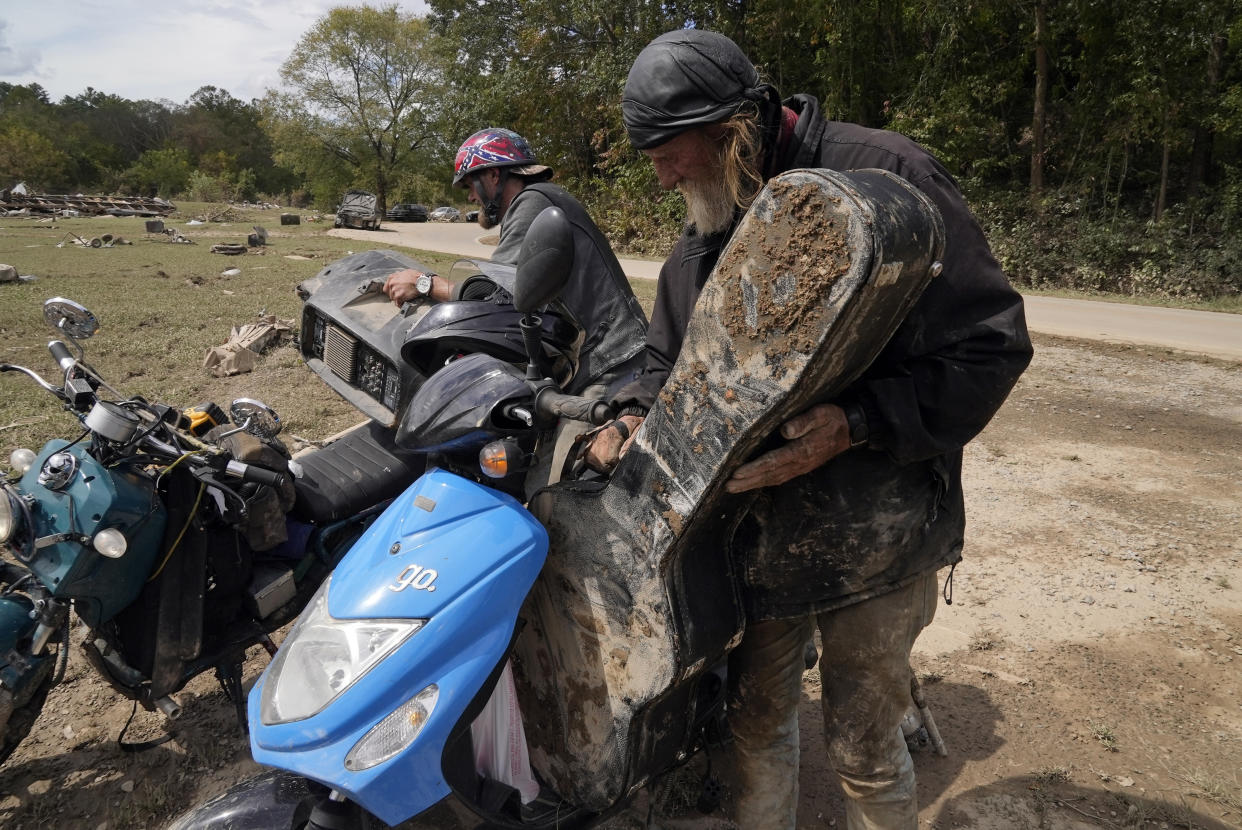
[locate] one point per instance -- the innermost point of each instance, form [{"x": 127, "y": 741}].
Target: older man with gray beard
[{"x": 863, "y": 504}]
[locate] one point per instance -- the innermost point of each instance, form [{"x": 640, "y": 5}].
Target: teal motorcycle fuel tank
[{"x": 75, "y": 497}]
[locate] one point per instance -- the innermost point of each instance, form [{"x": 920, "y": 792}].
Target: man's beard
[
  {"x": 709, "y": 204},
  {"x": 484, "y": 222}
]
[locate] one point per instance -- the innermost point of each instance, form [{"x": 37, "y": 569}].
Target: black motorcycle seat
[{"x": 354, "y": 472}]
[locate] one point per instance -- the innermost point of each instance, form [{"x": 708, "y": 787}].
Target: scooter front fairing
[{"x": 369, "y": 685}]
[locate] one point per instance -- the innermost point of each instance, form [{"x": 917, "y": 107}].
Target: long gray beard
[{"x": 709, "y": 204}]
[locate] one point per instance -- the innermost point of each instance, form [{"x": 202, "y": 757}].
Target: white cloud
[
  {"x": 14, "y": 60},
  {"x": 140, "y": 50}
]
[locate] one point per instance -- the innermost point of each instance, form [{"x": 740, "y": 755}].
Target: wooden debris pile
[{"x": 79, "y": 205}]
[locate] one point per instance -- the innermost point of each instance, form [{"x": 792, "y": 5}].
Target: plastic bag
[{"x": 500, "y": 741}]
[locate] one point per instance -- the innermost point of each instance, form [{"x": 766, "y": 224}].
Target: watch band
[{"x": 856, "y": 420}]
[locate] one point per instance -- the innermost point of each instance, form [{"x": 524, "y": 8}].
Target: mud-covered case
[{"x": 638, "y": 598}]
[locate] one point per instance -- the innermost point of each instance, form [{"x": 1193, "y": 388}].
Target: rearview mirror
[
  {"x": 256, "y": 418},
  {"x": 74, "y": 319},
  {"x": 545, "y": 261}
]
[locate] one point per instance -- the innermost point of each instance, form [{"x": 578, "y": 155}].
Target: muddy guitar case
[{"x": 638, "y": 597}]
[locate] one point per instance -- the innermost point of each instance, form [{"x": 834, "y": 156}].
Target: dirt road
[
  {"x": 1196, "y": 332},
  {"x": 1086, "y": 674}
]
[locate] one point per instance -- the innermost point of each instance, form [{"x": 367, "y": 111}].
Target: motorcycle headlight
[
  {"x": 322, "y": 657},
  {"x": 8, "y": 516}
]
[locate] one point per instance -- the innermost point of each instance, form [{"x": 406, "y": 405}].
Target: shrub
[{"x": 1060, "y": 243}]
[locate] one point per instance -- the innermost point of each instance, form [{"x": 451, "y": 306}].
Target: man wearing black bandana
[{"x": 862, "y": 506}]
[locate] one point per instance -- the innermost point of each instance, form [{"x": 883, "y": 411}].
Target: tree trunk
[
  {"x": 1040, "y": 116},
  {"x": 1158, "y": 211},
  {"x": 1204, "y": 134},
  {"x": 1121, "y": 179}
]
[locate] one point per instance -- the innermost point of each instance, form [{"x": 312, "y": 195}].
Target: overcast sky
[{"x": 142, "y": 50}]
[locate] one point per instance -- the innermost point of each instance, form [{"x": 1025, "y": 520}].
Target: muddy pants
[{"x": 865, "y": 667}]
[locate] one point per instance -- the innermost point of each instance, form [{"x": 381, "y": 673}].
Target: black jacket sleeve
[
  {"x": 953, "y": 361},
  {"x": 676, "y": 294}
]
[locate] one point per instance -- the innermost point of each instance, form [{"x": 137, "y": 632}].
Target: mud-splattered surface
[{"x": 803, "y": 234}]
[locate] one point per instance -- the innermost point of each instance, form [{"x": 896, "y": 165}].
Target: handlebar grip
[
  {"x": 61, "y": 354},
  {"x": 574, "y": 407},
  {"x": 258, "y": 475}
]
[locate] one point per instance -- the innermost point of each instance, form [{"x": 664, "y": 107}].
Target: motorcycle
[
  {"x": 181, "y": 538},
  {"x": 163, "y": 529},
  {"x": 613, "y": 603}
]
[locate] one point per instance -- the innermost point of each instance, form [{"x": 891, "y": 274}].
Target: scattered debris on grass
[
  {"x": 240, "y": 354},
  {"x": 174, "y": 235},
  {"x": 107, "y": 240},
  {"x": 222, "y": 213},
  {"x": 15, "y": 203},
  {"x": 228, "y": 248}
]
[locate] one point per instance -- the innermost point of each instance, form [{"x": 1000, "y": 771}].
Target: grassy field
[{"x": 161, "y": 306}]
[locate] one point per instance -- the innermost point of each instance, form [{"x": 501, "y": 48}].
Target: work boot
[{"x": 810, "y": 655}]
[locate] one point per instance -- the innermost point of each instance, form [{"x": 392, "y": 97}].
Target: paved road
[{"x": 1200, "y": 332}]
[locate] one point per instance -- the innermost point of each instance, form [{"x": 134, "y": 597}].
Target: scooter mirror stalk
[{"x": 545, "y": 261}]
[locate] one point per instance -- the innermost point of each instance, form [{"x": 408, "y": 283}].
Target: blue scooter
[
  {"x": 394, "y": 657},
  {"x": 618, "y": 606}
]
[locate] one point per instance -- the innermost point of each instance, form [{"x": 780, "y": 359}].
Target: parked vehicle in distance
[
  {"x": 406, "y": 212},
  {"x": 472, "y": 216},
  {"x": 358, "y": 209},
  {"x": 445, "y": 213}
]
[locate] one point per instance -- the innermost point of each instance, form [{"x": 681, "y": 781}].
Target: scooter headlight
[{"x": 322, "y": 657}]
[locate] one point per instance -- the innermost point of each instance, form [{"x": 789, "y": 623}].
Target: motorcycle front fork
[{"x": 51, "y": 615}]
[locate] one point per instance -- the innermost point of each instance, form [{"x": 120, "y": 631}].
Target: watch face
[{"x": 423, "y": 285}]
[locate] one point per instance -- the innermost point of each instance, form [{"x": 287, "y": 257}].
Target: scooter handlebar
[
  {"x": 258, "y": 475},
  {"x": 61, "y": 354},
  {"x": 576, "y": 408}
]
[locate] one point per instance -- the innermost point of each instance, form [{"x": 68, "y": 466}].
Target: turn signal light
[
  {"x": 502, "y": 458},
  {"x": 110, "y": 543},
  {"x": 21, "y": 460}
]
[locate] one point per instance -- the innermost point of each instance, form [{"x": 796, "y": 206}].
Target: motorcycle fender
[
  {"x": 273, "y": 798},
  {"x": 15, "y": 622},
  {"x": 21, "y": 673}
]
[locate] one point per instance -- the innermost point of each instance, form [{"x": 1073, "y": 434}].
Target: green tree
[
  {"x": 224, "y": 137},
  {"x": 164, "y": 172},
  {"x": 358, "y": 88},
  {"x": 27, "y": 156}
]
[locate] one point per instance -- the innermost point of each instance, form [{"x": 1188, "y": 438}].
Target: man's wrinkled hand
[
  {"x": 401, "y": 286},
  {"x": 815, "y": 437},
  {"x": 610, "y": 444}
]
